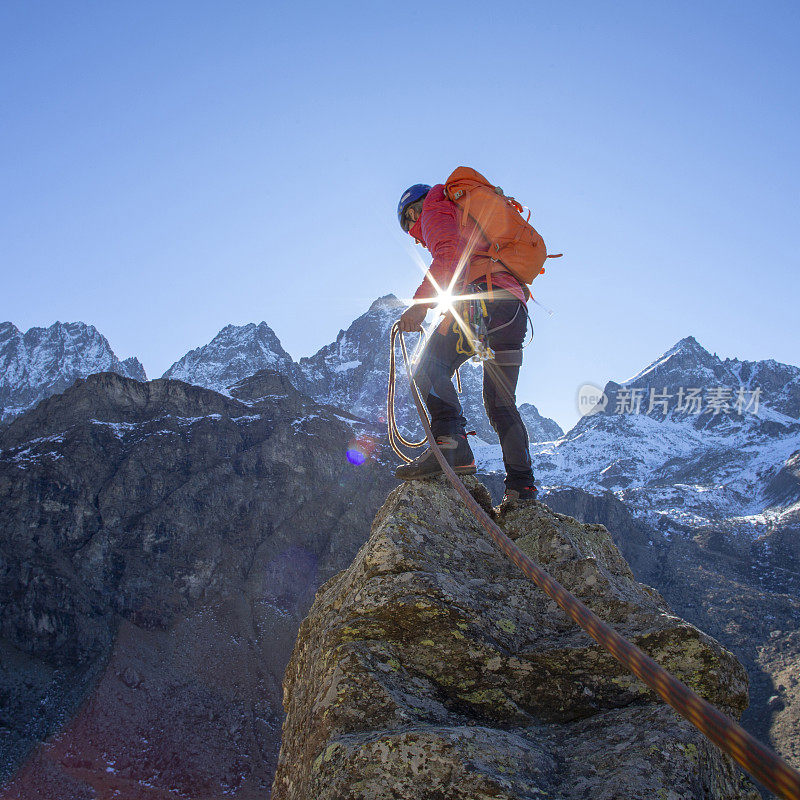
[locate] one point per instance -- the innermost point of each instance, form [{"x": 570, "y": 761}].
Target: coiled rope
[
  {"x": 395, "y": 437},
  {"x": 764, "y": 765}
]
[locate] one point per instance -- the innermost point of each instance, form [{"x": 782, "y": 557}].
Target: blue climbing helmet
[{"x": 410, "y": 195}]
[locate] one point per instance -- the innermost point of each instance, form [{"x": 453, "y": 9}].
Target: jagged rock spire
[{"x": 432, "y": 668}]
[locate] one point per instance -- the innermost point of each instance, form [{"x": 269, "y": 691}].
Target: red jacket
[{"x": 438, "y": 230}]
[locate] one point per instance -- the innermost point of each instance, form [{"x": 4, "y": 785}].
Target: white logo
[{"x": 591, "y": 399}]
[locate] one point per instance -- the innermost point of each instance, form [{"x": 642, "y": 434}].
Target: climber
[{"x": 435, "y": 221}]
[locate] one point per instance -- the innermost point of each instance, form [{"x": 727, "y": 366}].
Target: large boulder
[{"x": 433, "y": 668}]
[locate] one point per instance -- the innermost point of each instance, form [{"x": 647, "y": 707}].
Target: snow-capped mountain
[
  {"x": 689, "y": 364},
  {"x": 235, "y": 353},
  {"x": 540, "y": 429},
  {"x": 350, "y": 372},
  {"x": 45, "y": 361},
  {"x": 689, "y": 440}
]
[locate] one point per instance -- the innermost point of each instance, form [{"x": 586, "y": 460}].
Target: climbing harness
[
  {"x": 764, "y": 765},
  {"x": 475, "y": 316}
]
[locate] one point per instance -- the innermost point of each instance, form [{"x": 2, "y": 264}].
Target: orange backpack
[{"x": 513, "y": 241}]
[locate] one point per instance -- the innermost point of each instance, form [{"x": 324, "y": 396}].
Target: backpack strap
[{"x": 465, "y": 211}]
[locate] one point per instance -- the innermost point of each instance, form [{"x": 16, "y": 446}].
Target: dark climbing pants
[{"x": 440, "y": 359}]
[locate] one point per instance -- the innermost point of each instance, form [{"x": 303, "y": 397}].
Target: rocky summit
[{"x": 432, "y": 668}]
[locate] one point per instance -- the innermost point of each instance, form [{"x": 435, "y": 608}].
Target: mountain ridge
[
  {"x": 160, "y": 543},
  {"x": 237, "y": 351},
  {"x": 42, "y": 362}
]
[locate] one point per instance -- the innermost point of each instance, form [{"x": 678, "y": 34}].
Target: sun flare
[{"x": 444, "y": 302}]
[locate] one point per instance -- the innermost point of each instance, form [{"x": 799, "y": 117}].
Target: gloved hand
[{"x": 412, "y": 318}]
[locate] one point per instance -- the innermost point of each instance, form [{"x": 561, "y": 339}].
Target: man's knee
[
  {"x": 423, "y": 380},
  {"x": 503, "y": 417},
  {"x": 499, "y": 408},
  {"x": 499, "y": 395}
]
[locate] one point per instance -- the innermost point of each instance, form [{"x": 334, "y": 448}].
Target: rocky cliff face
[
  {"x": 432, "y": 668},
  {"x": 44, "y": 361},
  {"x": 159, "y": 545}
]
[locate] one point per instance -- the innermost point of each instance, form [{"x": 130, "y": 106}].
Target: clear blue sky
[{"x": 170, "y": 168}]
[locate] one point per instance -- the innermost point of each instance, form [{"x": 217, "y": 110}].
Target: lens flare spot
[
  {"x": 360, "y": 449},
  {"x": 355, "y": 456}
]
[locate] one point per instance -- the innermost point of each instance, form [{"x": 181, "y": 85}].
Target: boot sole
[{"x": 469, "y": 469}]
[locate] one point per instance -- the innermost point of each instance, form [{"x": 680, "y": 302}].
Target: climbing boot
[
  {"x": 455, "y": 449},
  {"x": 518, "y": 498}
]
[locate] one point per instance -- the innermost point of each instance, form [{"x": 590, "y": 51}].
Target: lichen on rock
[{"x": 432, "y": 668}]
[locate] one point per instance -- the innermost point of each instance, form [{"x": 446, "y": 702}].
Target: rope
[
  {"x": 395, "y": 437},
  {"x": 764, "y": 765}
]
